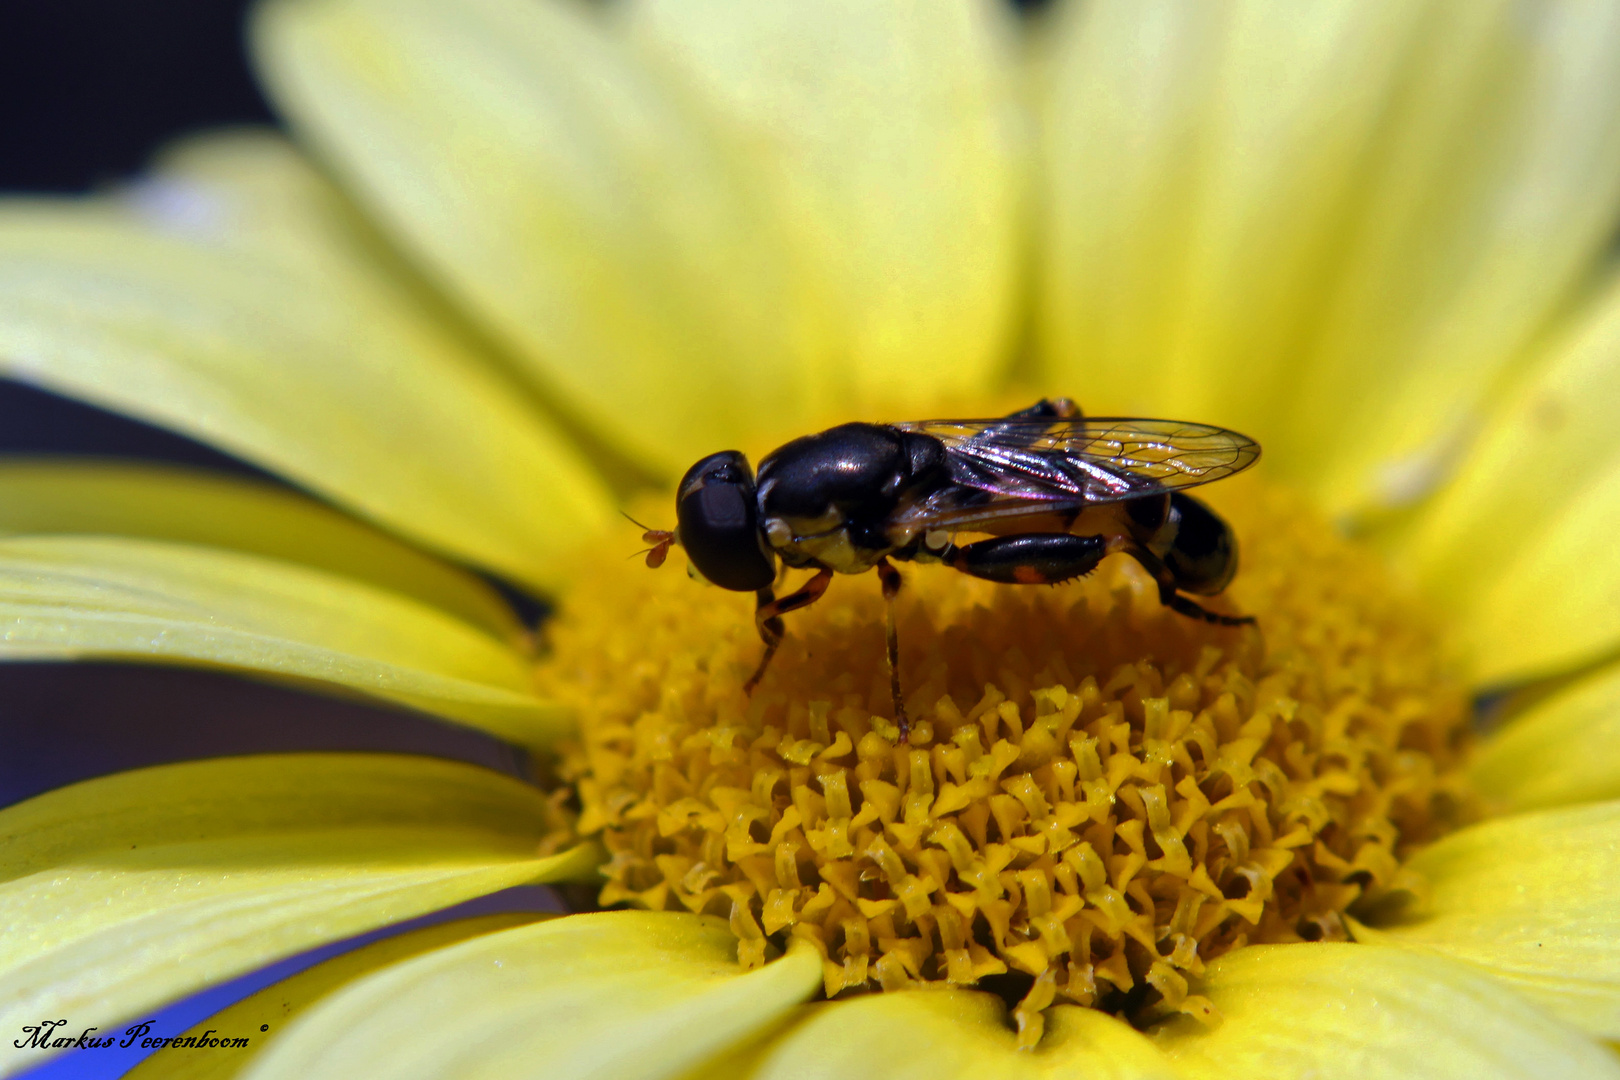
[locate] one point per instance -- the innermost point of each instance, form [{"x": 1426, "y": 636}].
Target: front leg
[{"x": 767, "y": 618}]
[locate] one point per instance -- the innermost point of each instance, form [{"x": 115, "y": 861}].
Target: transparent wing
[{"x": 1024, "y": 467}]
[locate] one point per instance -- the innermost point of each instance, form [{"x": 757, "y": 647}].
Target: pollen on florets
[{"x": 1098, "y": 796}]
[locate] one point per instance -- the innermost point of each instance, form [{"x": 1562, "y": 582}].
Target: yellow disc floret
[{"x": 1097, "y": 796}]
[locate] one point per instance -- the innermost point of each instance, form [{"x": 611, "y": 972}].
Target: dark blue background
[{"x": 88, "y": 89}]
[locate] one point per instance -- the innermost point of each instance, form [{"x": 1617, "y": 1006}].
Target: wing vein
[{"x": 1008, "y": 467}]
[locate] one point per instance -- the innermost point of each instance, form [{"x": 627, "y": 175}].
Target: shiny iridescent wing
[{"x": 1018, "y": 467}]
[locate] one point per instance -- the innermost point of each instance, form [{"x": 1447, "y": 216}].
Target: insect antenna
[{"x": 660, "y": 539}]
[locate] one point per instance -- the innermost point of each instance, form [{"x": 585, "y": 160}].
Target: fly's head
[{"x": 717, "y": 522}]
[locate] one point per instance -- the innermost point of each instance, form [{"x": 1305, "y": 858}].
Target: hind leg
[
  {"x": 1169, "y": 597},
  {"x": 1028, "y": 558},
  {"x": 1048, "y": 558}
]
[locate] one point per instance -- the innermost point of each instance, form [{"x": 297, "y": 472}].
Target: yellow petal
[
  {"x": 278, "y": 1004},
  {"x": 1520, "y": 545},
  {"x": 71, "y": 597},
  {"x": 71, "y": 495},
  {"x": 1531, "y": 899},
  {"x": 234, "y": 299},
  {"x": 941, "y": 1035},
  {"x": 1562, "y": 750},
  {"x": 1369, "y": 1012},
  {"x": 888, "y": 128},
  {"x": 1331, "y": 225},
  {"x": 1085, "y": 1042},
  {"x": 1546, "y": 443},
  {"x": 123, "y": 893},
  {"x": 618, "y": 993},
  {"x": 740, "y": 1060},
  {"x": 1559, "y": 605},
  {"x": 554, "y": 186}
]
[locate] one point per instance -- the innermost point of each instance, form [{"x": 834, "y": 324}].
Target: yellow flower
[{"x": 568, "y": 249}]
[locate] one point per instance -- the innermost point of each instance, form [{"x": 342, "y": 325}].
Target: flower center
[{"x": 1097, "y": 797}]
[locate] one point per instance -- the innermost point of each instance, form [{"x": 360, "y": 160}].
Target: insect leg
[
  {"x": 1167, "y": 588},
  {"x": 891, "y": 580},
  {"x": 767, "y": 618},
  {"x": 1028, "y": 558},
  {"x": 1048, "y": 558},
  {"x": 1021, "y": 435},
  {"x": 1054, "y": 408}
]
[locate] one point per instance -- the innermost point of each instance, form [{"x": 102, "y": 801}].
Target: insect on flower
[{"x": 1054, "y": 492}]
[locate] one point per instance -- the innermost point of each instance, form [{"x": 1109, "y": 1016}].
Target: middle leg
[{"x": 890, "y": 578}]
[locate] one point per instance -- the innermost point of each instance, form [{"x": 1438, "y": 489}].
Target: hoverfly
[{"x": 1055, "y": 491}]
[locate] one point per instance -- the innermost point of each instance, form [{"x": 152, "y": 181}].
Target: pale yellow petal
[
  {"x": 1531, "y": 900},
  {"x": 1519, "y": 547},
  {"x": 280, "y": 1003},
  {"x": 120, "y": 894},
  {"x": 1549, "y": 442},
  {"x": 1367, "y": 1012},
  {"x": 161, "y": 502},
  {"x": 76, "y": 597},
  {"x": 613, "y": 994},
  {"x": 1563, "y": 750},
  {"x": 954, "y": 1035},
  {"x": 741, "y": 1059},
  {"x": 1126, "y": 91},
  {"x": 1558, "y": 605},
  {"x": 1085, "y": 1042},
  {"x": 888, "y": 130},
  {"x": 234, "y": 298},
  {"x": 555, "y": 186},
  {"x": 1332, "y": 225}
]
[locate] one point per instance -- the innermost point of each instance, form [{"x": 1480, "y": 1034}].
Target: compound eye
[{"x": 718, "y": 521}]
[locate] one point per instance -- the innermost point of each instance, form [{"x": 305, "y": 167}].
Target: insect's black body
[
  {"x": 833, "y": 500},
  {"x": 1055, "y": 493}
]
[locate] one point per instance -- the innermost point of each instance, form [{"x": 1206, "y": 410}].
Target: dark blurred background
[
  {"x": 88, "y": 90},
  {"x": 89, "y": 87}
]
